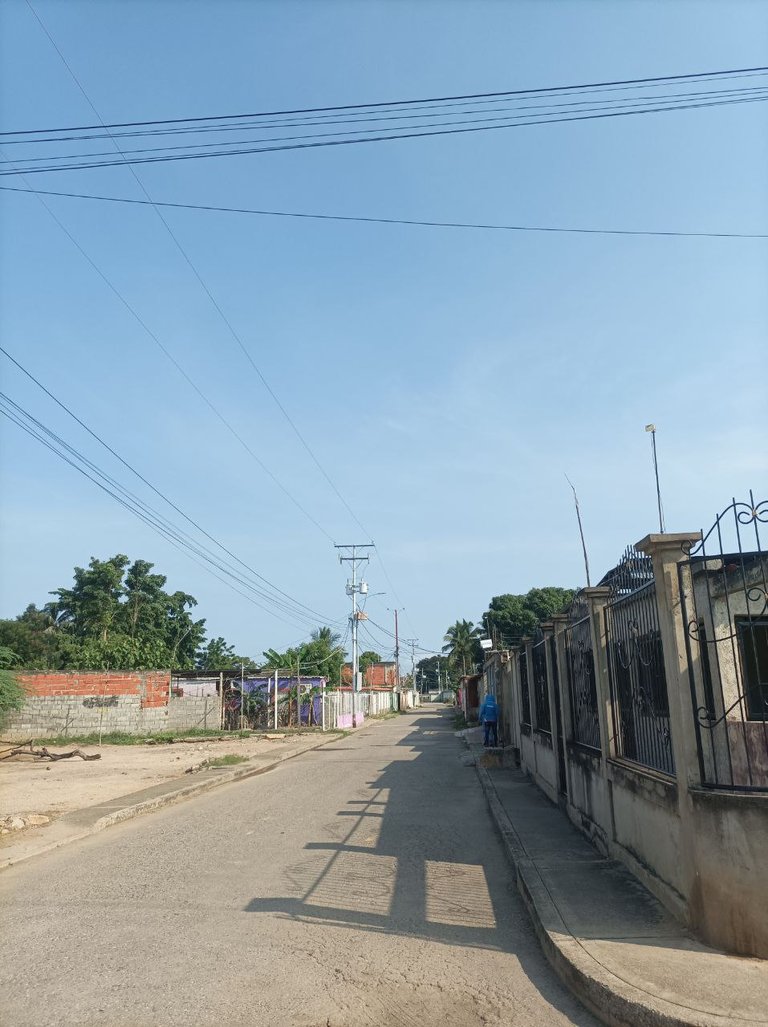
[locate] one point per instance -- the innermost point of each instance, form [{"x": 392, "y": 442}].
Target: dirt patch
[{"x": 32, "y": 786}]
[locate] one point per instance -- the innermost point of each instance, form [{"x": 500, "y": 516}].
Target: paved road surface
[{"x": 359, "y": 885}]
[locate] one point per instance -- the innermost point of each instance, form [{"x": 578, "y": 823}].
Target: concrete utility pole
[
  {"x": 397, "y": 654},
  {"x": 355, "y": 587}
]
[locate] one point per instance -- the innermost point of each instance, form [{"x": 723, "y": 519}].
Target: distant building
[{"x": 378, "y": 675}]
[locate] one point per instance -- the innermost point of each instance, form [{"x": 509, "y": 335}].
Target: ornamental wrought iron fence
[
  {"x": 540, "y": 685},
  {"x": 525, "y": 692},
  {"x": 724, "y": 589},
  {"x": 582, "y": 684},
  {"x": 638, "y": 681}
]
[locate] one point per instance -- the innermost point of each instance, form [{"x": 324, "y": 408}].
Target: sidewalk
[
  {"x": 609, "y": 939},
  {"x": 122, "y": 802}
]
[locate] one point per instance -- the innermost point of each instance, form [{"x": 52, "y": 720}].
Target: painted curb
[{"x": 614, "y": 1001}]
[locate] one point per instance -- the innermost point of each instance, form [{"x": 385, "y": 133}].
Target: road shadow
[{"x": 416, "y": 856}]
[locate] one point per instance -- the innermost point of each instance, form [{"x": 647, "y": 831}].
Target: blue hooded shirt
[{"x": 489, "y": 710}]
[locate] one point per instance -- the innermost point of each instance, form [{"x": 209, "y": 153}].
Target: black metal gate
[
  {"x": 724, "y": 589},
  {"x": 636, "y": 664}
]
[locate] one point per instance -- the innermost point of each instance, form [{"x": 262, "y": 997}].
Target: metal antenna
[
  {"x": 581, "y": 529},
  {"x": 652, "y": 429}
]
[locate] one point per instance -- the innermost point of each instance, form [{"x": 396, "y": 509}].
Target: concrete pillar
[
  {"x": 666, "y": 552},
  {"x": 597, "y": 598}
]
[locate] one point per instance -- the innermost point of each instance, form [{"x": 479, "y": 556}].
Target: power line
[
  {"x": 510, "y": 113},
  {"x": 375, "y": 138},
  {"x": 228, "y": 324},
  {"x": 663, "y": 79},
  {"x": 411, "y": 222},
  {"x": 154, "y": 488},
  {"x": 137, "y": 317},
  {"x": 161, "y": 525}
]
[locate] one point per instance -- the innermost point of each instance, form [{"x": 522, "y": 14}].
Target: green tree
[
  {"x": 322, "y": 656},
  {"x": 217, "y": 655},
  {"x": 433, "y": 673},
  {"x": 35, "y": 640},
  {"x": 92, "y": 606},
  {"x": 11, "y": 692},
  {"x": 462, "y": 646},
  {"x": 511, "y": 617}
]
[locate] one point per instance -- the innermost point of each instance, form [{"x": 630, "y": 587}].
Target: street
[{"x": 359, "y": 884}]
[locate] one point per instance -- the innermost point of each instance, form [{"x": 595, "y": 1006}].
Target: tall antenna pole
[
  {"x": 581, "y": 529},
  {"x": 652, "y": 429},
  {"x": 353, "y": 588}
]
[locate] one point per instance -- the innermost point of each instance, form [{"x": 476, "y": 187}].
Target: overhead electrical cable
[
  {"x": 188, "y": 260},
  {"x": 543, "y": 90},
  {"x": 409, "y": 222},
  {"x": 751, "y": 92},
  {"x": 151, "y": 517},
  {"x": 420, "y": 133},
  {"x": 137, "y": 317},
  {"x": 158, "y": 492}
]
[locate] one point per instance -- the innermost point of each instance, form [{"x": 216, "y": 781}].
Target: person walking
[{"x": 489, "y": 718}]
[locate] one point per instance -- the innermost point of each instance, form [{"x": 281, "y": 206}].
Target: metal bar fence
[
  {"x": 525, "y": 693},
  {"x": 724, "y": 589},
  {"x": 582, "y": 685},
  {"x": 540, "y": 687},
  {"x": 638, "y": 679}
]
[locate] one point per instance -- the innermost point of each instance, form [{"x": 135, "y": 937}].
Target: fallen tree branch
[{"x": 26, "y": 749}]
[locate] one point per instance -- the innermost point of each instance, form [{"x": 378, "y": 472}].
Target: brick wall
[{"x": 150, "y": 686}]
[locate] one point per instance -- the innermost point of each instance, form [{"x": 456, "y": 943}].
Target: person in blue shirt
[{"x": 489, "y": 718}]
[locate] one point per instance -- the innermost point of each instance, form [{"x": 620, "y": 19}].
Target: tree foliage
[
  {"x": 322, "y": 656},
  {"x": 432, "y": 674},
  {"x": 462, "y": 646},
  {"x": 117, "y": 614},
  {"x": 366, "y": 659},
  {"x": 11, "y": 692},
  {"x": 511, "y": 617}
]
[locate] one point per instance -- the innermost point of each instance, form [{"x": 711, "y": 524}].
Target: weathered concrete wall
[
  {"x": 544, "y": 770},
  {"x": 728, "y": 901},
  {"x": 588, "y": 803}
]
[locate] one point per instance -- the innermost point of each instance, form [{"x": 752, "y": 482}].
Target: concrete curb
[
  {"x": 615, "y": 1001},
  {"x": 172, "y": 796}
]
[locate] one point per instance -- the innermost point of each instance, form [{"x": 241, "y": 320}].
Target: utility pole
[
  {"x": 353, "y": 588},
  {"x": 652, "y": 429},
  {"x": 412, "y": 643},
  {"x": 397, "y": 654}
]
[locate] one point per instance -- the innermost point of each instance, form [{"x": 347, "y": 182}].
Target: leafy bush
[{"x": 12, "y": 694}]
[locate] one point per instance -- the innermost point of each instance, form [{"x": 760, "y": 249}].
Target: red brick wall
[{"x": 151, "y": 685}]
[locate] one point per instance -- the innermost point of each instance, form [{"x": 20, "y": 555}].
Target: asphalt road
[{"x": 359, "y": 884}]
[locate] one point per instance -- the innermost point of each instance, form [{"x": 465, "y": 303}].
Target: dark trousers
[{"x": 490, "y": 735}]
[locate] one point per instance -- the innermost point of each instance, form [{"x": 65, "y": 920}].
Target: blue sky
[{"x": 446, "y": 379}]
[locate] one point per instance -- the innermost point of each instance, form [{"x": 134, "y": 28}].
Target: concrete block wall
[{"x": 84, "y": 702}]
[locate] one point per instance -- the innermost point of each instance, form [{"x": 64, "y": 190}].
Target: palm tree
[
  {"x": 461, "y": 644},
  {"x": 327, "y": 636}
]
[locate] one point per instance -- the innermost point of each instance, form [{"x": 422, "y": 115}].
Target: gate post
[
  {"x": 597, "y": 597},
  {"x": 666, "y": 552}
]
